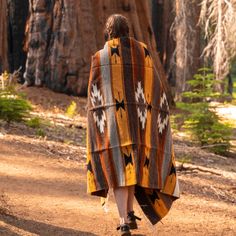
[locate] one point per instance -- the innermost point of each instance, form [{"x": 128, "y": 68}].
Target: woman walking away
[{"x": 129, "y": 144}]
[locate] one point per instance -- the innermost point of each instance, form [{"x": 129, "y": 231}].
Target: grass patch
[
  {"x": 40, "y": 132},
  {"x": 185, "y": 159},
  {"x": 34, "y": 122}
]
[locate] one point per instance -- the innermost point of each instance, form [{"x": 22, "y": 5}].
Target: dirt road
[{"x": 43, "y": 186}]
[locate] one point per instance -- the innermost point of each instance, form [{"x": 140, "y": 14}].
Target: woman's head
[{"x": 116, "y": 26}]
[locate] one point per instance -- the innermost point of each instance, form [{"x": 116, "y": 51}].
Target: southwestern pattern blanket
[{"x": 129, "y": 136}]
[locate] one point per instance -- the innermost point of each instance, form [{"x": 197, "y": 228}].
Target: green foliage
[
  {"x": 38, "y": 125},
  {"x": 71, "y": 110},
  {"x": 40, "y": 132},
  {"x": 185, "y": 159},
  {"x": 201, "y": 119},
  {"x": 34, "y": 122},
  {"x": 13, "y": 106},
  {"x": 202, "y": 86}
]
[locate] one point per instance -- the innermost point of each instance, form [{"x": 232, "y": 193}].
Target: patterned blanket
[{"x": 129, "y": 136}]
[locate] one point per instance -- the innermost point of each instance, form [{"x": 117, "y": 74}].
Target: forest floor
[{"x": 43, "y": 181}]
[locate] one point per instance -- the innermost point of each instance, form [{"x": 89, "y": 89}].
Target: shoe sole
[
  {"x": 133, "y": 225},
  {"x": 125, "y": 234}
]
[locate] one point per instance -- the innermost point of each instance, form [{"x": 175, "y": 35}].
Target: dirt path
[{"x": 43, "y": 184}]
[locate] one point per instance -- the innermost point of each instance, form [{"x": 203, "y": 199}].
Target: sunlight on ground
[{"x": 227, "y": 112}]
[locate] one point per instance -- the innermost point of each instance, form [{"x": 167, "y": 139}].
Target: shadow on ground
[
  {"x": 38, "y": 228},
  {"x": 7, "y": 232}
]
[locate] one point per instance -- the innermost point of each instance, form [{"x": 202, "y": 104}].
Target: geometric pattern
[
  {"x": 128, "y": 159},
  {"x": 146, "y": 163},
  {"x": 99, "y": 114},
  {"x": 126, "y": 101},
  {"x": 142, "y": 104},
  {"x": 163, "y": 117},
  {"x": 115, "y": 50}
]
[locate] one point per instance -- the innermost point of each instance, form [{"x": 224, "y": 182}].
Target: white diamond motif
[
  {"x": 139, "y": 95},
  {"x": 162, "y": 123},
  {"x": 97, "y": 96}
]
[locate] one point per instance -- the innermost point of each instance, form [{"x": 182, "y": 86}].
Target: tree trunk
[
  {"x": 187, "y": 43},
  {"x": 63, "y": 34},
  {"x": 162, "y": 19},
  {"x": 3, "y": 37},
  {"x": 18, "y": 12},
  {"x": 77, "y": 33}
]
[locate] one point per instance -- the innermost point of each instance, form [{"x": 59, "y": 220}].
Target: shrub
[
  {"x": 34, "y": 122},
  {"x": 40, "y": 132},
  {"x": 13, "y": 106},
  {"x": 202, "y": 120}
]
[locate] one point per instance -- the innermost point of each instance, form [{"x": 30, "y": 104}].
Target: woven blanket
[{"x": 129, "y": 136}]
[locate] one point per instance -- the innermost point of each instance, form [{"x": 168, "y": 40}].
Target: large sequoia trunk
[
  {"x": 61, "y": 36},
  {"x": 163, "y": 15},
  {"x": 13, "y": 15},
  {"x": 18, "y": 12},
  {"x": 62, "y": 40},
  {"x": 39, "y": 33},
  {"x": 3, "y": 36}
]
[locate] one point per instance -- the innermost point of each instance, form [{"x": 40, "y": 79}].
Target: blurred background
[
  {"x": 53, "y": 40},
  {"x": 45, "y": 52}
]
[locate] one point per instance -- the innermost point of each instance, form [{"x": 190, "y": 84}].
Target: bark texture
[
  {"x": 3, "y": 37},
  {"x": 163, "y": 15},
  {"x": 187, "y": 43},
  {"x": 39, "y": 33},
  {"x": 178, "y": 36},
  {"x": 63, "y": 34},
  {"x": 18, "y": 12}
]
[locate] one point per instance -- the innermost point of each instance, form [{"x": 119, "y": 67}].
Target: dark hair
[{"x": 116, "y": 26}]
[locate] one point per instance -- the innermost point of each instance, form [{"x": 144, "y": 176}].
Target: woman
[{"x": 129, "y": 146}]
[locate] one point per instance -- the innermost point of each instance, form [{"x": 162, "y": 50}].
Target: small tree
[
  {"x": 202, "y": 120},
  {"x": 13, "y": 106}
]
